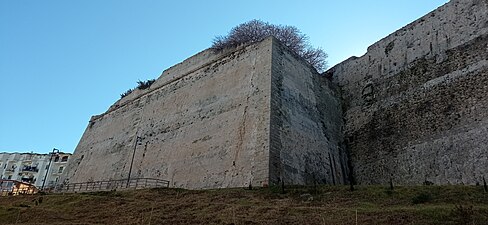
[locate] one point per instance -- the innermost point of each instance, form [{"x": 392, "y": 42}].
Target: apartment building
[{"x": 32, "y": 167}]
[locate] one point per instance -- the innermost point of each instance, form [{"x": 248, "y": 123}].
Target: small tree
[{"x": 257, "y": 30}]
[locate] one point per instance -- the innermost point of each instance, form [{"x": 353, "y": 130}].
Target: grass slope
[{"x": 299, "y": 205}]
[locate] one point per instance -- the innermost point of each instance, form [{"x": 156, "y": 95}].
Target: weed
[
  {"x": 332, "y": 205},
  {"x": 104, "y": 193},
  {"x": 462, "y": 215},
  {"x": 276, "y": 189}
]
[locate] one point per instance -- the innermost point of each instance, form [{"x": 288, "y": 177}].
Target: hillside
[{"x": 300, "y": 205}]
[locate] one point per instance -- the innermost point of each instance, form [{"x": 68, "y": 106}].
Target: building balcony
[
  {"x": 30, "y": 180},
  {"x": 30, "y": 169}
]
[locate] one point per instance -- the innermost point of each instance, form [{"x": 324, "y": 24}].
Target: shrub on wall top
[
  {"x": 257, "y": 30},
  {"x": 141, "y": 85}
]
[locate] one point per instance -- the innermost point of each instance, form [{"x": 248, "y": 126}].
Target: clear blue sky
[{"x": 64, "y": 61}]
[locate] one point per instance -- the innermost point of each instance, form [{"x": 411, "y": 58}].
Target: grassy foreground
[{"x": 299, "y": 205}]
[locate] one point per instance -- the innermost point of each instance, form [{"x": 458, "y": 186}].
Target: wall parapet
[
  {"x": 174, "y": 73},
  {"x": 449, "y": 26}
]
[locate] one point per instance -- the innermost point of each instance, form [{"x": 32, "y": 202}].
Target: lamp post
[
  {"x": 132, "y": 161},
  {"x": 49, "y": 165}
]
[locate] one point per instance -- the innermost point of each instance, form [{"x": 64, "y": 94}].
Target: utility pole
[{"x": 49, "y": 166}]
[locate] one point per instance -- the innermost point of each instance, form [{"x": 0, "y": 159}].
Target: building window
[
  {"x": 9, "y": 177},
  {"x": 64, "y": 159},
  {"x": 56, "y": 159},
  {"x": 60, "y": 170}
]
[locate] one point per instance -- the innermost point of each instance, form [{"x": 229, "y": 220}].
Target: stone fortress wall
[
  {"x": 416, "y": 104},
  {"x": 205, "y": 123},
  {"x": 413, "y": 109}
]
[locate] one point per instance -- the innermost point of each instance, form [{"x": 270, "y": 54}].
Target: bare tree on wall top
[{"x": 257, "y": 30}]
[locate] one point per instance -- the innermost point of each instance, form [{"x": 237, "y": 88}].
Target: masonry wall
[
  {"x": 203, "y": 124},
  {"x": 254, "y": 115},
  {"x": 415, "y": 105},
  {"x": 306, "y": 124}
]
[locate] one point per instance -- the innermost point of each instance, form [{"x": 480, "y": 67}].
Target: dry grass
[{"x": 299, "y": 205}]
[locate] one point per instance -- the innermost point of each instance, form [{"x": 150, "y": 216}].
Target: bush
[
  {"x": 257, "y": 30},
  {"x": 126, "y": 93},
  {"x": 141, "y": 85},
  {"x": 422, "y": 198}
]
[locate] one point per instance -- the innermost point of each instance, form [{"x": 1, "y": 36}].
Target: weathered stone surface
[
  {"x": 306, "y": 124},
  {"x": 205, "y": 123},
  {"x": 415, "y": 105}
]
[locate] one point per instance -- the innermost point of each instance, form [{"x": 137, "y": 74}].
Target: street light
[
  {"x": 55, "y": 151},
  {"x": 132, "y": 161}
]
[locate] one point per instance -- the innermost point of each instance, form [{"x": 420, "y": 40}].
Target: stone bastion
[{"x": 413, "y": 109}]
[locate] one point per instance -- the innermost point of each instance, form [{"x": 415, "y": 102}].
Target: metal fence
[{"x": 136, "y": 183}]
